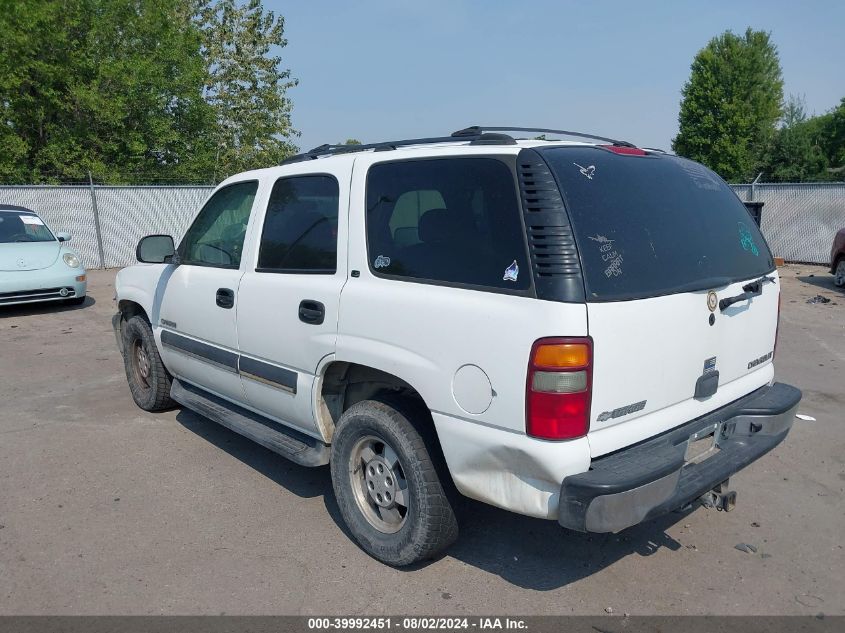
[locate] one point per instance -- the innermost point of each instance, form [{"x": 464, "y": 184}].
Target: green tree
[
  {"x": 103, "y": 85},
  {"x": 246, "y": 84},
  {"x": 731, "y": 104},
  {"x": 351, "y": 141},
  {"x": 795, "y": 154},
  {"x": 833, "y": 138}
]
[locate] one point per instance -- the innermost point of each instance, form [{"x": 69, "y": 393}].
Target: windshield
[
  {"x": 653, "y": 225},
  {"x": 19, "y": 226}
]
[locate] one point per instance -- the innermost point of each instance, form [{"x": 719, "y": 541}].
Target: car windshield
[{"x": 20, "y": 226}]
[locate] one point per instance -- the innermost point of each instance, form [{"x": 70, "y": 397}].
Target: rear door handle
[
  {"x": 312, "y": 312},
  {"x": 225, "y": 298}
]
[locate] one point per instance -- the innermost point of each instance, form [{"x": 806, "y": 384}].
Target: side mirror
[
  {"x": 155, "y": 249},
  {"x": 63, "y": 237}
]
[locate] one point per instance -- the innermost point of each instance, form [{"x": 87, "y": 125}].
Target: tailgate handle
[{"x": 751, "y": 289}]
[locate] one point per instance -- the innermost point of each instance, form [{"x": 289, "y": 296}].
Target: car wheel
[
  {"x": 387, "y": 487},
  {"x": 148, "y": 379},
  {"x": 839, "y": 274}
]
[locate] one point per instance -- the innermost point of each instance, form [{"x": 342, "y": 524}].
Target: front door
[
  {"x": 196, "y": 327},
  {"x": 288, "y": 310}
]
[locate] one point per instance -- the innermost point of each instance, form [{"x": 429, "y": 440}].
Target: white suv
[{"x": 568, "y": 330}]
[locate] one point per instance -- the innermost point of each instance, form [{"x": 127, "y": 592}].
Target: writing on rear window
[{"x": 609, "y": 255}]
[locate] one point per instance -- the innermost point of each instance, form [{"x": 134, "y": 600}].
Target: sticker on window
[
  {"x": 382, "y": 261},
  {"x": 511, "y": 272},
  {"x": 609, "y": 255},
  {"x": 586, "y": 171},
  {"x": 31, "y": 219},
  {"x": 746, "y": 239}
]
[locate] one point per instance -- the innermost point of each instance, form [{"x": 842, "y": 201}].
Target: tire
[
  {"x": 148, "y": 379},
  {"x": 412, "y": 520},
  {"x": 839, "y": 274}
]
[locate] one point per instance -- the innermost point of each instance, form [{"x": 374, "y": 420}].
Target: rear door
[
  {"x": 289, "y": 295},
  {"x": 662, "y": 240}
]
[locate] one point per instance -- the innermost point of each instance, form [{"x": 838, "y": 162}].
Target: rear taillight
[{"x": 559, "y": 388}]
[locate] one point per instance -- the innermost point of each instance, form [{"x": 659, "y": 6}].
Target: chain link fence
[
  {"x": 107, "y": 222},
  {"x": 799, "y": 220}
]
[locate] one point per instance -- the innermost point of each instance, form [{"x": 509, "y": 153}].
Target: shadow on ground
[
  {"x": 825, "y": 282},
  {"x": 47, "y": 307},
  {"x": 529, "y": 553}
]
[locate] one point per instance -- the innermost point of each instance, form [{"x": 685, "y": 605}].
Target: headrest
[{"x": 439, "y": 225}]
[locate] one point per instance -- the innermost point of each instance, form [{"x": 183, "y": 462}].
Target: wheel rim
[
  {"x": 141, "y": 364},
  {"x": 379, "y": 485},
  {"x": 840, "y": 274}
]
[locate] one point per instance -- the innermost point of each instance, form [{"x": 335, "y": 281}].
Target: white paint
[
  {"x": 465, "y": 351},
  {"x": 654, "y": 350}
]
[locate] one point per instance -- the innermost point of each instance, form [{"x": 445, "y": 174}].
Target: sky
[{"x": 379, "y": 69}]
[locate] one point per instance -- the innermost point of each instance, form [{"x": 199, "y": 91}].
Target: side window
[
  {"x": 216, "y": 238},
  {"x": 300, "y": 228},
  {"x": 447, "y": 220}
]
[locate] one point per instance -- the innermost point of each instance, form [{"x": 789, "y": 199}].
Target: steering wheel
[
  {"x": 21, "y": 237},
  {"x": 217, "y": 248}
]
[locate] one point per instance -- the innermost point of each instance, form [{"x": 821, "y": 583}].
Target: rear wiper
[
  {"x": 752, "y": 289},
  {"x": 702, "y": 284}
]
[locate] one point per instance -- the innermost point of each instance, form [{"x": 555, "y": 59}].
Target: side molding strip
[
  {"x": 201, "y": 351},
  {"x": 259, "y": 371},
  {"x": 271, "y": 375}
]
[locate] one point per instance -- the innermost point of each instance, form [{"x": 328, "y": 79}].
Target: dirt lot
[{"x": 107, "y": 509}]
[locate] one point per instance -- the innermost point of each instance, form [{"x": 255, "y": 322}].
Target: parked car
[
  {"x": 35, "y": 264},
  {"x": 574, "y": 331},
  {"x": 837, "y": 258}
]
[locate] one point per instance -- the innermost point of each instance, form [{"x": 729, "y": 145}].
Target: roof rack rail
[
  {"x": 331, "y": 150},
  {"x": 475, "y": 134},
  {"x": 480, "y": 129}
]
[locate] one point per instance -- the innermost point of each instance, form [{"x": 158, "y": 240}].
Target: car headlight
[{"x": 71, "y": 260}]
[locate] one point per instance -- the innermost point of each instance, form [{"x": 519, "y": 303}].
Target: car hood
[{"x": 28, "y": 255}]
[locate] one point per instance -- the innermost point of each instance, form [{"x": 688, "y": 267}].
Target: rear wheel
[
  {"x": 148, "y": 379},
  {"x": 839, "y": 274},
  {"x": 387, "y": 487}
]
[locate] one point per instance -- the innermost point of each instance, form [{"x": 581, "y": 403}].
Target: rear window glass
[
  {"x": 451, "y": 221},
  {"x": 653, "y": 225}
]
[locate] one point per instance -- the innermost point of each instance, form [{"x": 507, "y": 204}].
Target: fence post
[{"x": 97, "y": 222}]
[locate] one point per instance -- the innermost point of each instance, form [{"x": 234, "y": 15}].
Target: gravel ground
[{"x": 106, "y": 509}]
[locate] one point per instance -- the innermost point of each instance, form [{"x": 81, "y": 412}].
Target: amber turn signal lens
[
  {"x": 80, "y": 278},
  {"x": 562, "y": 355}
]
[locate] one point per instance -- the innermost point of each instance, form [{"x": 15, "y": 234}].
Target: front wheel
[
  {"x": 839, "y": 274},
  {"x": 148, "y": 379},
  {"x": 387, "y": 487}
]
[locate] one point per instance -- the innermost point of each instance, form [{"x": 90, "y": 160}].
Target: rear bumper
[{"x": 654, "y": 477}]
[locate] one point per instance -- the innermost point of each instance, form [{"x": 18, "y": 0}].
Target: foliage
[
  {"x": 351, "y": 141},
  {"x": 807, "y": 149},
  {"x": 140, "y": 91},
  {"x": 100, "y": 85},
  {"x": 246, "y": 85},
  {"x": 794, "y": 154},
  {"x": 731, "y": 104}
]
